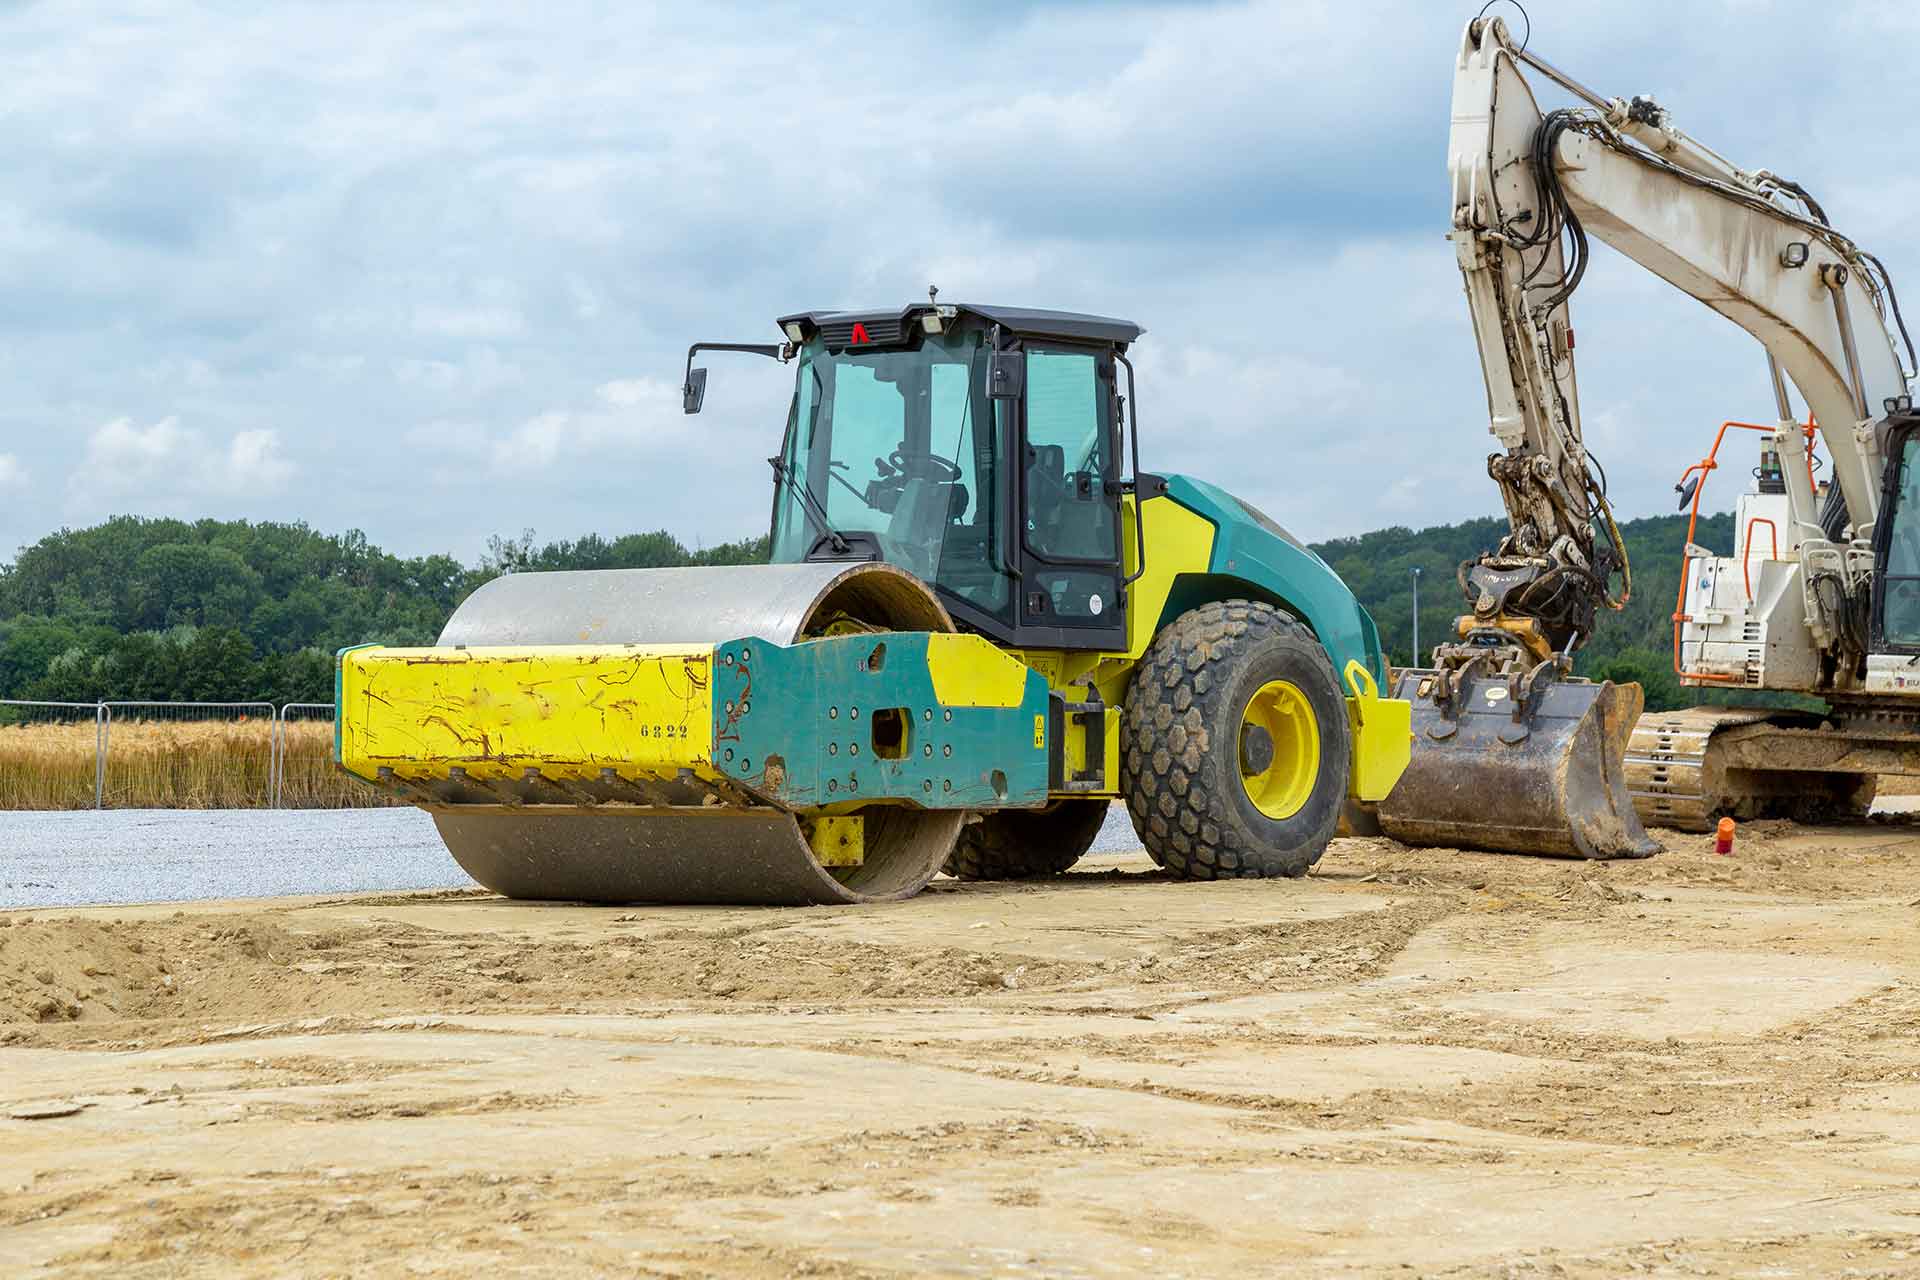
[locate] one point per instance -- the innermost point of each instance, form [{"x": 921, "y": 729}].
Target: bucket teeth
[
  {"x": 460, "y": 780},
  {"x": 544, "y": 789}
]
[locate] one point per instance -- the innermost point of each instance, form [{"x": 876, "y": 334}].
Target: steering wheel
[{"x": 924, "y": 466}]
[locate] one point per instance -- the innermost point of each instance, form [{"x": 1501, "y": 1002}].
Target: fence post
[
  {"x": 279, "y": 732},
  {"x": 103, "y": 720}
]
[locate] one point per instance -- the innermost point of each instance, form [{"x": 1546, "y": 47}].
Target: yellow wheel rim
[{"x": 1279, "y": 749}]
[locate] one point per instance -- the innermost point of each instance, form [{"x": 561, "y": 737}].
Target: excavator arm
[
  {"x": 1528, "y": 189},
  {"x": 1511, "y": 750},
  {"x": 1539, "y": 590}
]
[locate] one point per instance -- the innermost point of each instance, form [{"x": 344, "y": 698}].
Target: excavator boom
[{"x": 1529, "y": 187}]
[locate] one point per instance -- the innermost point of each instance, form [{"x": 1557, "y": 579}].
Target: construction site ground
[{"x": 1414, "y": 1061}]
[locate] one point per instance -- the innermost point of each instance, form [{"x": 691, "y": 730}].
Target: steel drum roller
[{"x": 718, "y": 853}]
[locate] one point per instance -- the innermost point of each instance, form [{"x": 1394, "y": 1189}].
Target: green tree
[
  {"x": 219, "y": 666},
  {"x": 291, "y": 621},
  {"x": 193, "y": 584},
  {"x": 1653, "y": 672},
  {"x": 306, "y": 676},
  {"x": 29, "y": 644},
  {"x": 1377, "y": 568}
]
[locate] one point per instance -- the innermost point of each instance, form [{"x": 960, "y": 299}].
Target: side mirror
[
  {"x": 1006, "y": 374},
  {"x": 695, "y": 392}
]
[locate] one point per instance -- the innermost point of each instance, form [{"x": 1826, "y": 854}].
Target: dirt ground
[{"x": 1413, "y": 1062}]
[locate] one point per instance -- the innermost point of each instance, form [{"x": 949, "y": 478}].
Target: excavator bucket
[{"x": 1500, "y": 764}]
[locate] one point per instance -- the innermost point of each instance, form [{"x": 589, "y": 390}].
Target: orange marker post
[{"x": 1723, "y": 836}]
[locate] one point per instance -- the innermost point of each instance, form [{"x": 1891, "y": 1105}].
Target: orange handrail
[
  {"x": 1705, "y": 467},
  {"x": 1746, "y": 546}
]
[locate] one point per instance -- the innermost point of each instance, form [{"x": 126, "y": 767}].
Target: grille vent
[{"x": 883, "y": 331}]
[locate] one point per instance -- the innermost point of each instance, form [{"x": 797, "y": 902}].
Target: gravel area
[
  {"x": 175, "y": 855},
  {"x": 88, "y": 857}
]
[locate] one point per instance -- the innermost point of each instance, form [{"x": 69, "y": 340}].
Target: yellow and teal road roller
[{"x": 982, "y": 624}]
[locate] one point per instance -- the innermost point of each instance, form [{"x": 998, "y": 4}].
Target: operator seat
[
  {"x": 1046, "y": 495},
  {"x": 918, "y": 524},
  {"x": 1071, "y": 514}
]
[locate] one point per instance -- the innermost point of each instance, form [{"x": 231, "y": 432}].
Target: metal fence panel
[
  {"x": 304, "y": 776},
  {"x": 173, "y": 755},
  {"x": 52, "y": 754},
  {"x": 188, "y": 755}
]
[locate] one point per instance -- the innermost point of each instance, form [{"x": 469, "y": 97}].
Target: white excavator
[{"x": 1821, "y": 596}]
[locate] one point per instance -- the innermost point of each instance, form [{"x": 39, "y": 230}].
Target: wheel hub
[
  {"x": 1279, "y": 749},
  {"x": 1256, "y": 750}
]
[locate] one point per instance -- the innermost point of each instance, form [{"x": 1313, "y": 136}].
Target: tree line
[
  {"x": 229, "y": 610},
  {"x": 218, "y": 610},
  {"x": 1634, "y": 644}
]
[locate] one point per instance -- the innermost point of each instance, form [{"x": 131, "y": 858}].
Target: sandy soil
[{"x": 1459, "y": 1064}]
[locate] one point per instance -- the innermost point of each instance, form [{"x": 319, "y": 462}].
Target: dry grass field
[{"x": 157, "y": 764}]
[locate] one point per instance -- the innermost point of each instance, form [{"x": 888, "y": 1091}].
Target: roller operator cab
[
  {"x": 983, "y": 460},
  {"x": 982, "y": 624}
]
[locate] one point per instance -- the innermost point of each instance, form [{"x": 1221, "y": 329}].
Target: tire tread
[
  {"x": 1024, "y": 844},
  {"x": 1189, "y": 823}
]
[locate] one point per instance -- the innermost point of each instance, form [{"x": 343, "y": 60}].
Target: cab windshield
[{"x": 899, "y": 445}]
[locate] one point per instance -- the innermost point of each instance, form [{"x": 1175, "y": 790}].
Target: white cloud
[
  {"x": 253, "y": 464},
  {"x": 631, "y": 418},
  {"x": 469, "y": 322},
  {"x": 1254, "y": 388},
  {"x": 319, "y": 219},
  {"x": 191, "y": 373},
  {"x": 534, "y": 443},
  {"x": 12, "y": 474},
  {"x": 121, "y": 453},
  {"x": 477, "y": 372},
  {"x": 166, "y": 464},
  {"x": 653, "y": 394}
]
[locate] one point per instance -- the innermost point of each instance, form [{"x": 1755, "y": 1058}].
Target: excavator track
[
  {"x": 1669, "y": 775},
  {"x": 1687, "y": 769}
]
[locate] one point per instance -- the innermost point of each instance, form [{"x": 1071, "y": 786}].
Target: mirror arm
[
  {"x": 773, "y": 350},
  {"x": 781, "y": 351}
]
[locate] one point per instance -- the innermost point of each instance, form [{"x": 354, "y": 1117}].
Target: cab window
[
  {"x": 1900, "y": 622},
  {"x": 1070, "y": 517},
  {"x": 891, "y": 443}
]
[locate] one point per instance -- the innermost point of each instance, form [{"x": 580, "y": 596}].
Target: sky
[{"x": 431, "y": 271}]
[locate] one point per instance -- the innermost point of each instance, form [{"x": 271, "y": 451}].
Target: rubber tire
[
  {"x": 1026, "y": 844},
  {"x": 1180, "y": 758}
]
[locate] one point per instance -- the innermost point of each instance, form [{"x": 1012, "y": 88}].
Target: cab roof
[{"x": 886, "y": 328}]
